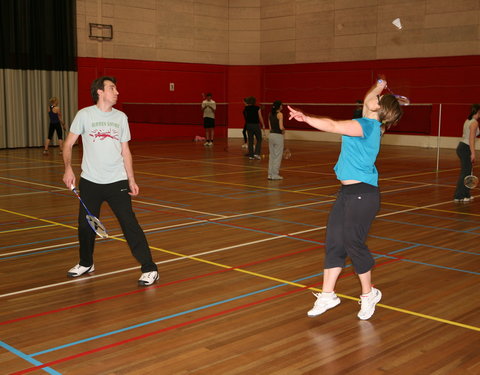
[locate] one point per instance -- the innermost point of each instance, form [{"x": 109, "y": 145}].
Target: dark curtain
[{"x": 38, "y": 35}]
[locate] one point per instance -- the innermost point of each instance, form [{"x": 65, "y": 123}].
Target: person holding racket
[
  {"x": 107, "y": 175},
  {"x": 358, "y": 199},
  {"x": 275, "y": 140},
  {"x": 466, "y": 153}
]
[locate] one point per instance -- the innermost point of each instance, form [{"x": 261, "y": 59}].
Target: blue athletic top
[{"x": 358, "y": 154}]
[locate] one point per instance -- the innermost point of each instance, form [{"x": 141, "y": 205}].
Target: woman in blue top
[{"x": 358, "y": 199}]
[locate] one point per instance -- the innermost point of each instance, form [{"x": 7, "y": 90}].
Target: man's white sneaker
[
  {"x": 324, "y": 302},
  {"x": 368, "y": 302},
  {"x": 148, "y": 278},
  {"x": 79, "y": 270}
]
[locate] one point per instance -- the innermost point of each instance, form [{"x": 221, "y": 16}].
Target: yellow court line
[
  {"x": 37, "y": 218},
  {"x": 429, "y": 317},
  {"x": 24, "y": 229}
]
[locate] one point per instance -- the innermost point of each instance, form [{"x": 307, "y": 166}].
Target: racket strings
[
  {"x": 402, "y": 100},
  {"x": 471, "y": 181},
  {"x": 97, "y": 226}
]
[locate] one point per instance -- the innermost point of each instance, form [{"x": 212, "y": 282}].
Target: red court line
[
  {"x": 166, "y": 329},
  {"x": 158, "y": 286},
  {"x": 175, "y": 326}
]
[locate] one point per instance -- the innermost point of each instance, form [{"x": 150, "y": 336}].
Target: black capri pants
[
  {"x": 348, "y": 225},
  {"x": 55, "y": 127}
]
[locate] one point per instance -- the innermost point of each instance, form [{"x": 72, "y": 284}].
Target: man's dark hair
[{"x": 99, "y": 84}]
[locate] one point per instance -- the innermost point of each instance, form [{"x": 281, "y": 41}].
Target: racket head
[
  {"x": 470, "y": 181},
  {"x": 97, "y": 226},
  {"x": 402, "y": 100},
  {"x": 287, "y": 154}
]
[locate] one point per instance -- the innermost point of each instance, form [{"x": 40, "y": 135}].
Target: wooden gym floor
[{"x": 236, "y": 255}]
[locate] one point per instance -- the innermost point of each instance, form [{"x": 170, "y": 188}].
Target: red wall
[{"x": 452, "y": 81}]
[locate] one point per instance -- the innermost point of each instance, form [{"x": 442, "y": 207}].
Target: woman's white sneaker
[
  {"x": 324, "y": 302},
  {"x": 368, "y": 302}
]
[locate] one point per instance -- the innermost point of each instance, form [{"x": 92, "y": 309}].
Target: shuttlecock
[{"x": 397, "y": 23}]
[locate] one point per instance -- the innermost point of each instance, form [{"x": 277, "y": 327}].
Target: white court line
[
  {"x": 205, "y": 253},
  {"x": 201, "y": 221},
  {"x": 179, "y": 208},
  {"x": 230, "y": 217},
  {"x": 136, "y": 267}
]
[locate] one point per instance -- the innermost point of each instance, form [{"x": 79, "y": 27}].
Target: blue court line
[
  {"x": 154, "y": 321},
  {"x": 425, "y": 226},
  {"x": 38, "y": 252},
  {"x": 424, "y": 245},
  {"x": 176, "y": 314},
  {"x": 404, "y": 249},
  {"x": 28, "y": 358},
  {"x": 281, "y": 221},
  {"x": 37, "y": 242},
  {"x": 197, "y": 309},
  {"x": 431, "y": 265},
  {"x": 417, "y": 213}
]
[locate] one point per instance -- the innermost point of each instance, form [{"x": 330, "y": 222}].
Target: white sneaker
[
  {"x": 245, "y": 145},
  {"x": 79, "y": 270},
  {"x": 324, "y": 302},
  {"x": 148, "y": 278},
  {"x": 368, "y": 302}
]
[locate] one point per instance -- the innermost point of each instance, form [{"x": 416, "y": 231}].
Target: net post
[{"x": 438, "y": 136}]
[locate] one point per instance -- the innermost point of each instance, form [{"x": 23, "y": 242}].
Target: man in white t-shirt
[
  {"x": 208, "y": 108},
  {"x": 107, "y": 175}
]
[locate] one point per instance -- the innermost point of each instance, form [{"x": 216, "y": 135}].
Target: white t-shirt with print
[
  {"x": 102, "y": 134},
  {"x": 209, "y": 107}
]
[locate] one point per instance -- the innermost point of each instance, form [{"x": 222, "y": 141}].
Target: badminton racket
[
  {"x": 93, "y": 221},
  {"x": 402, "y": 100},
  {"x": 470, "y": 181}
]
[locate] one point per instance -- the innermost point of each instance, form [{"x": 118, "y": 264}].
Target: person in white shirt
[
  {"x": 107, "y": 175},
  {"x": 208, "y": 108}
]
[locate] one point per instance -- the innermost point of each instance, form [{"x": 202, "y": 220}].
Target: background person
[
  {"x": 275, "y": 140},
  {"x": 56, "y": 124},
  {"x": 208, "y": 108},
  {"x": 466, "y": 153},
  {"x": 253, "y": 118}
]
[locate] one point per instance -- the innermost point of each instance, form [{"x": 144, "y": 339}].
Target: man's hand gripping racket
[{"x": 93, "y": 221}]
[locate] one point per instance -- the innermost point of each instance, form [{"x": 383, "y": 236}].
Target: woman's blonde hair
[
  {"x": 390, "y": 111},
  {"x": 53, "y": 100}
]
